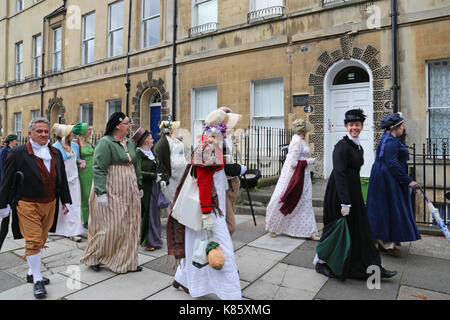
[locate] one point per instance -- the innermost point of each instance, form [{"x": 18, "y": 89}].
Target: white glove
[
  {"x": 141, "y": 193},
  {"x": 243, "y": 169},
  {"x": 158, "y": 177},
  {"x": 310, "y": 161},
  {"x": 208, "y": 221},
  {"x": 5, "y": 212},
  {"x": 345, "y": 210},
  {"x": 414, "y": 185},
  {"x": 162, "y": 184},
  {"x": 102, "y": 200}
]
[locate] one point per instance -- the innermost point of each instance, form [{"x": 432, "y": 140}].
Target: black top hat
[{"x": 354, "y": 115}]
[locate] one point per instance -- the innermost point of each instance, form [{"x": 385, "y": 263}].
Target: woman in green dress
[
  {"x": 153, "y": 181},
  {"x": 83, "y": 133}
]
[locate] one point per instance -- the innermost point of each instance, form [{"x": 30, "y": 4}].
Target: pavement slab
[
  {"x": 427, "y": 273},
  {"x": 437, "y": 247},
  {"x": 8, "y": 260},
  {"x": 254, "y": 262},
  {"x": 351, "y": 289},
  {"x": 281, "y": 243},
  {"x": 302, "y": 256},
  {"x": 89, "y": 276},
  {"x": 165, "y": 264},
  {"x": 59, "y": 287},
  {"x": 411, "y": 293},
  {"x": 248, "y": 232},
  {"x": 8, "y": 281},
  {"x": 129, "y": 286},
  {"x": 11, "y": 245}
]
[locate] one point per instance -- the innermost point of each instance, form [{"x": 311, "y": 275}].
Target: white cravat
[
  {"x": 149, "y": 154},
  {"x": 42, "y": 152},
  {"x": 355, "y": 140}
]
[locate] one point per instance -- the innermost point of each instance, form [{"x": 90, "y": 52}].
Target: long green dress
[{"x": 85, "y": 176}]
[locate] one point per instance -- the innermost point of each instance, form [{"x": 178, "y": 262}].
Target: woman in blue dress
[{"x": 389, "y": 205}]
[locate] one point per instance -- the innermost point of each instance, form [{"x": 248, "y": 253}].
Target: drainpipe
[
  {"x": 174, "y": 56},
  {"x": 395, "y": 87},
  {"x": 127, "y": 83}
]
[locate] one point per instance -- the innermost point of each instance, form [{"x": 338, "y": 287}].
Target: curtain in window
[
  {"x": 439, "y": 91},
  {"x": 206, "y": 11},
  {"x": 268, "y": 103}
]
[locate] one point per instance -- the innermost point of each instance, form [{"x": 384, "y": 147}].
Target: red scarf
[{"x": 294, "y": 189}]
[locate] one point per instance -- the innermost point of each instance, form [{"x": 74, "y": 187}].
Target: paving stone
[
  {"x": 254, "y": 262},
  {"x": 437, "y": 247},
  {"x": 293, "y": 294},
  {"x": 9, "y": 259},
  {"x": 240, "y": 218},
  {"x": 280, "y": 243},
  {"x": 11, "y": 245},
  {"x": 411, "y": 293},
  {"x": 54, "y": 247},
  {"x": 247, "y": 231},
  {"x": 59, "y": 287},
  {"x": 302, "y": 256},
  {"x": 427, "y": 273},
  {"x": 8, "y": 281},
  {"x": 335, "y": 289},
  {"x": 289, "y": 276},
  {"x": 89, "y": 276},
  {"x": 260, "y": 290},
  {"x": 130, "y": 286},
  {"x": 165, "y": 264},
  {"x": 178, "y": 294}
]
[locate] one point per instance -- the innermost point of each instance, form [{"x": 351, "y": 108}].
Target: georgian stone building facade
[{"x": 270, "y": 60}]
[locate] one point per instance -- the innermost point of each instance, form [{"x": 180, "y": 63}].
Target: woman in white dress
[
  {"x": 170, "y": 150},
  {"x": 224, "y": 283},
  {"x": 290, "y": 210},
  {"x": 69, "y": 223}
]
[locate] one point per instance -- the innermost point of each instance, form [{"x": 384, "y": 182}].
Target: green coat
[
  {"x": 149, "y": 170},
  {"x": 109, "y": 151},
  {"x": 162, "y": 151}
]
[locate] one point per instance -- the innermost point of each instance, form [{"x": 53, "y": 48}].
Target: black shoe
[
  {"x": 45, "y": 281},
  {"x": 387, "y": 274},
  {"x": 325, "y": 270},
  {"x": 39, "y": 290},
  {"x": 176, "y": 285},
  {"x": 96, "y": 268},
  {"x": 138, "y": 269}
]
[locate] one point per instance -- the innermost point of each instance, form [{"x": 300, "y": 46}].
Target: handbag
[
  {"x": 187, "y": 208},
  {"x": 162, "y": 201}
]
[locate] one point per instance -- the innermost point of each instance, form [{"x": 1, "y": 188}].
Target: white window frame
[
  {"x": 108, "y": 106},
  {"x": 18, "y": 123},
  {"x": 195, "y": 4},
  {"x": 19, "y": 61},
  {"x": 36, "y": 57},
  {"x": 193, "y": 106},
  {"x": 427, "y": 82},
  {"x": 19, "y": 5},
  {"x": 81, "y": 113},
  {"x": 112, "y": 31},
  {"x": 35, "y": 113},
  {"x": 253, "y": 5},
  {"x": 252, "y": 100},
  {"x": 144, "y": 21},
  {"x": 85, "y": 41},
  {"x": 57, "y": 53}
]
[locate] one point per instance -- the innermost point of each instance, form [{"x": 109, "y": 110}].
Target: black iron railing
[
  {"x": 430, "y": 167},
  {"x": 262, "y": 148}
]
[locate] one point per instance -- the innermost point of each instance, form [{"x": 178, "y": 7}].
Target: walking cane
[
  {"x": 249, "y": 198},
  {"x": 435, "y": 214}
]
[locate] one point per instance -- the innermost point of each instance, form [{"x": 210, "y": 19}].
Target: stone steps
[{"x": 261, "y": 211}]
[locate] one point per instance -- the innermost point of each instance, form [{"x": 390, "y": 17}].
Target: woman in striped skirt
[{"x": 115, "y": 205}]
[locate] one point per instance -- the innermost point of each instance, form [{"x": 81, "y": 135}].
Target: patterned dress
[{"x": 301, "y": 222}]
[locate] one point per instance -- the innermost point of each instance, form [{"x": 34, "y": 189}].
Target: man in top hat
[
  {"x": 44, "y": 178},
  {"x": 11, "y": 142}
]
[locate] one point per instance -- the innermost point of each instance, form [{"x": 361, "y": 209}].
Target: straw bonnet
[
  {"x": 62, "y": 130},
  {"x": 139, "y": 136},
  {"x": 220, "y": 116},
  {"x": 169, "y": 126},
  {"x": 300, "y": 125}
]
